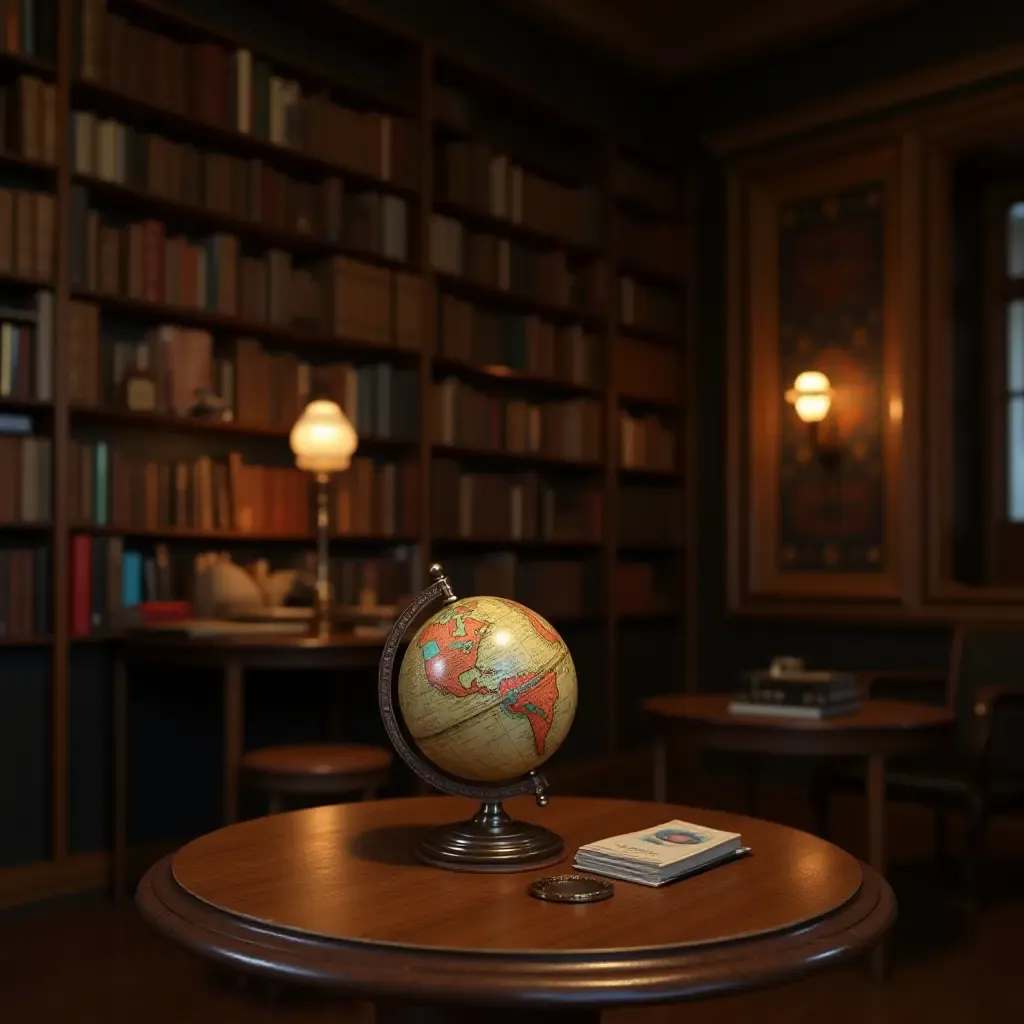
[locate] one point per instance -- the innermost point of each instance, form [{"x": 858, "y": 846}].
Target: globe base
[{"x": 490, "y": 842}]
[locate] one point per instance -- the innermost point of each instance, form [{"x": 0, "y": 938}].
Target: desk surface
[
  {"x": 333, "y": 895},
  {"x": 252, "y": 650},
  {"x": 713, "y": 709}
]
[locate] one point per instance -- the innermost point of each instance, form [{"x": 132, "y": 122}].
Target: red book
[
  {"x": 81, "y": 584},
  {"x": 153, "y": 261}
]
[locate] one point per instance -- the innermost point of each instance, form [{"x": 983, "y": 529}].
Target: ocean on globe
[{"x": 487, "y": 689}]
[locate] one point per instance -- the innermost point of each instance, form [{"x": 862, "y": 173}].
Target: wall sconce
[{"x": 811, "y": 398}]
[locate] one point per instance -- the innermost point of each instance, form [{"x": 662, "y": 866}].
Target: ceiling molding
[{"x": 670, "y": 41}]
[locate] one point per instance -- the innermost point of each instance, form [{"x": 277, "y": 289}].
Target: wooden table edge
[{"x": 606, "y": 979}]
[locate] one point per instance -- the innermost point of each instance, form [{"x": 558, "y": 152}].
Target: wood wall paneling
[{"x": 787, "y": 549}]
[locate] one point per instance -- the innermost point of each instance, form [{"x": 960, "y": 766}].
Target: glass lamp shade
[
  {"x": 811, "y": 396},
  {"x": 323, "y": 440}
]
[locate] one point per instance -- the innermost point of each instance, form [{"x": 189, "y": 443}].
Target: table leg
[
  {"x": 660, "y": 759},
  {"x": 234, "y": 736},
  {"x": 877, "y": 853},
  {"x": 119, "y": 777},
  {"x": 410, "y": 1013}
]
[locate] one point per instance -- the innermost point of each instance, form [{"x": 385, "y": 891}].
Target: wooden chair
[
  {"x": 983, "y": 771},
  {"x": 324, "y": 770}
]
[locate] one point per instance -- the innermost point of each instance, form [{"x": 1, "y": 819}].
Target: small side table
[
  {"x": 333, "y": 897},
  {"x": 880, "y": 730}
]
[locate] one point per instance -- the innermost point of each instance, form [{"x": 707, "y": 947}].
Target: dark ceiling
[{"x": 673, "y": 38}]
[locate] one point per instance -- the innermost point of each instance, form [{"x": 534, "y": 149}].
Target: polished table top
[
  {"x": 713, "y": 709},
  {"x": 334, "y": 895}
]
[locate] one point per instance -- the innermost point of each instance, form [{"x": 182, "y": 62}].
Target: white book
[
  {"x": 659, "y": 854},
  {"x": 805, "y": 711}
]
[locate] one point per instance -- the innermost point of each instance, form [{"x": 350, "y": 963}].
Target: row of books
[
  {"x": 646, "y": 370},
  {"x": 467, "y": 418},
  {"x": 26, "y": 350},
  {"x": 108, "y": 577},
  {"x": 472, "y": 174},
  {"x": 650, "y": 308},
  {"x": 526, "y": 344},
  {"x": 645, "y": 186},
  {"x": 121, "y": 487},
  {"x": 252, "y": 385},
  {"x": 650, "y": 516},
  {"x": 517, "y": 507},
  {"x": 26, "y": 486},
  {"x": 645, "y": 442},
  {"x": 270, "y": 389},
  {"x": 539, "y": 275},
  {"x": 232, "y": 89},
  {"x": 26, "y": 604},
  {"x": 558, "y": 589},
  {"x": 344, "y": 297},
  {"x": 239, "y": 188},
  {"x": 652, "y": 245},
  {"x": 375, "y": 498},
  {"x": 28, "y": 119},
  {"x": 29, "y": 28},
  {"x": 27, "y": 233}
]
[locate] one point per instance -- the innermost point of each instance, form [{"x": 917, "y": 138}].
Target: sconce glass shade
[
  {"x": 811, "y": 396},
  {"x": 323, "y": 440}
]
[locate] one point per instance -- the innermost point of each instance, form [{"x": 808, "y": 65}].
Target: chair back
[{"x": 982, "y": 654}]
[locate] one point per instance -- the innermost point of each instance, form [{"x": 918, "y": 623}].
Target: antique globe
[
  {"x": 487, "y": 689},
  {"x": 486, "y": 693}
]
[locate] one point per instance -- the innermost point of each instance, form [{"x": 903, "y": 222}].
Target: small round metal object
[{"x": 571, "y": 889}]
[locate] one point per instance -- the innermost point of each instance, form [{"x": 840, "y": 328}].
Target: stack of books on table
[
  {"x": 797, "y": 694},
  {"x": 660, "y": 854}
]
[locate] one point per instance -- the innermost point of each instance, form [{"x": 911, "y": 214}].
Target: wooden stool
[{"x": 319, "y": 769}]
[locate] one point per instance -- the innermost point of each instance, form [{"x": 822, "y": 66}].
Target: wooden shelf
[
  {"x": 112, "y": 103},
  {"x": 651, "y": 616},
  {"x": 192, "y": 425},
  {"x": 40, "y": 167},
  {"x": 26, "y": 641},
  {"x": 22, "y": 281},
  {"x": 176, "y": 533},
  {"x": 444, "y": 365},
  {"x": 649, "y": 404},
  {"x": 524, "y": 459},
  {"x": 33, "y": 406},
  {"x": 660, "y": 475},
  {"x": 519, "y": 545},
  {"x": 526, "y": 305},
  {"x": 184, "y": 214},
  {"x": 187, "y": 316},
  {"x": 650, "y": 275},
  {"x": 480, "y": 220},
  {"x": 22, "y": 63},
  {"x": 26, "y": 527},
  {"x": 649, "y": 334},
  {"x": 651, "y": 548}
]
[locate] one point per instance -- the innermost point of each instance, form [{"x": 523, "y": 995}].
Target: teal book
[{"x": 102, "y": 483}]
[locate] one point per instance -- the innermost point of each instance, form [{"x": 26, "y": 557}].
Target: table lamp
[{"x": 323, "y": 441}]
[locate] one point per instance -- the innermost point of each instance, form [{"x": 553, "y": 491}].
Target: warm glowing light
[
  {"x": 811, "y": 396},
  {"x": 323, "y": 440},
  {"x": 502, "y": 638}
]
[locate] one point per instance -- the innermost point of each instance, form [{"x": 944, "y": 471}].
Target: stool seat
[{"x": 324, "y": 769}]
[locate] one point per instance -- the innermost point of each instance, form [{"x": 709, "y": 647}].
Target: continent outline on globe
[{"x": 533, "y": 683}]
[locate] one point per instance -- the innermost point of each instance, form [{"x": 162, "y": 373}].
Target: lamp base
[{"x": 490, "y": 842}]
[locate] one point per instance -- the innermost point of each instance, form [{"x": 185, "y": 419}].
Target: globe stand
[{"x": 491, "y": 841}]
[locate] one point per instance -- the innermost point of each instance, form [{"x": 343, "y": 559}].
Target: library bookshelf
[{"x": 495, "y": 289}]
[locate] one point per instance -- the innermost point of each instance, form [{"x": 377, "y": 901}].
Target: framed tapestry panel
[{"x": 819, "y": 281}]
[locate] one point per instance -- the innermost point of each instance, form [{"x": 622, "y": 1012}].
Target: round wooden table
[
  {"x": 881, "y": 729},
  {"x": 333, "y": 897}
]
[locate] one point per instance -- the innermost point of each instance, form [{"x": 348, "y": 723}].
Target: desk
[
  {"x": 333, "y": 897},
  {"x": 234, "y": 657},
  {"x": 881, "y": 729}
]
